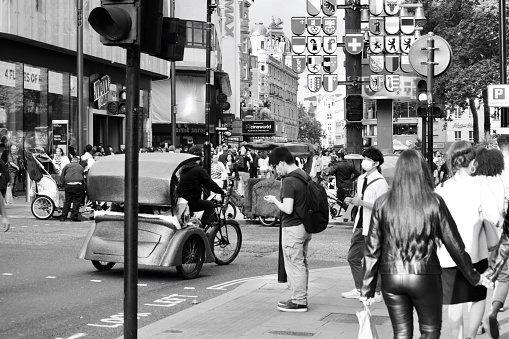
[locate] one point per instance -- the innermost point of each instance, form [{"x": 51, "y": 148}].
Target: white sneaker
[
  {"x": 378, "y": 297},
  {"x": 353, "y": 294}
]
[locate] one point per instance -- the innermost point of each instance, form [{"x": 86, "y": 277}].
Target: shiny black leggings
[{"x": 404, "y": 292}]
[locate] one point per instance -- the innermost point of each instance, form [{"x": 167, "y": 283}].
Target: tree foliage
[
  {"x": 310, "y": 129},
  {"x": 471, "y": 29}
]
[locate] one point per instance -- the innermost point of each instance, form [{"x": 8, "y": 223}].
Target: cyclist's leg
[
  {"x": 341, "y": 195},
  {"x": 202, "y": 205}
]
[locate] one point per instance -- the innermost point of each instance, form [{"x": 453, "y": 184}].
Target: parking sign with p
[{"x": 498, "y": 95}]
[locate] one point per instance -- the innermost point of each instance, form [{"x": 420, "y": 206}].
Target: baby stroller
[{"x": 48, "y": 198}]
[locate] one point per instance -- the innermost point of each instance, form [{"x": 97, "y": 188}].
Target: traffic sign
[
  {"x": 418, "y": 55},
  {"x": 498, "y": 95}
]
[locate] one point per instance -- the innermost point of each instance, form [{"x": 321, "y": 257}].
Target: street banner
[
  {"x": 314, "y": 82},
  {"x": 314, "y": 63},
  {"x": 405, "y": 63},
  {"x": 354, "y": 43},
  {"x": 407, "y": 24},
  {"x": 329, "y": 7},
  {"x": 330, "y": 44},
  {"x": 392, "y": 6},
  {"x": 376, "y": 7},
  {"x": 298, "y": 44},
  {"x": 406, "y": 43},
  {"x": 392, "y": 44},
  {"x": 330, "y": 25},
  {"x": 392, "y": 82},
  {"x": 330, "y": 82},
  {"x": 376, "y": 25},
  {"x": 376, "y": 44},
  {"x": 314, "y": 25},
  {"x": 298, "y": 25},
  {"x": 376, "y": 63},
  {"x": 376, "y": 82},
  {"x": 391, "y": 24},
  {"x": 391, "y": 63},
  {"x": 314, "y": 44},
  {"x": 330, "y": 63},
  {"x": 298, "y": 63},
  {"x": 314, "y": 6}
]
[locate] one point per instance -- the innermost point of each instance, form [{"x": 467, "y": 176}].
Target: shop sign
[
  {"x": 229, "y": 26},
  {"x": 101, "y": 88},
  {"x": 258, "y": 127},
  {"x": 7, "y": 74},
  {"x": 55, "y": 83},
  {"x": 32, "y": 78},
  {"x": 190, "y": 129}
]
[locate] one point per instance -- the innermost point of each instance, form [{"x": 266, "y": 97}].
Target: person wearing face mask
[{"x": 370, "y": 186}]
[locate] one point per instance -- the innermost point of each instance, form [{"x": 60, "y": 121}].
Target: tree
[
  {"x": 310, "y": 129},
  {"x": 471, "y": 28}
]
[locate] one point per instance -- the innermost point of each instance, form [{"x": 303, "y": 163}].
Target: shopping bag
[
  {"x": 8, "y": 195},
  {"x": 367, "y": 329}
]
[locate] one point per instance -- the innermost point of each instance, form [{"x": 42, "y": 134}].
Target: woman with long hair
[
  {"x": 466, "y": 196},
  {"x": 407, "y": 225},
  {"x": 59, "y": 160}
]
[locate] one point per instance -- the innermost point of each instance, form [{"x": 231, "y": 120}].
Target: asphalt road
[{"x": 45, "y": 292}]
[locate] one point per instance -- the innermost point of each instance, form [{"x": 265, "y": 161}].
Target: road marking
[
  {"x": 142, "y": 284},
  {"x": 223, "y": 286},
  {"x": 7, "y": 274},
  {"x": 96, "y": 281},
  {"x": 74, "y": 336},
  {"x": 171, "y": 300},
  {"x": 117, "y": 320},
  {"x": 189, "y": 288},
  {"x": 23, "y": 226},
  {"x": 50, "y": 277}
]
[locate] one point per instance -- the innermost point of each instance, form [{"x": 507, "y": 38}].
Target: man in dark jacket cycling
[{"x": 192, "y": 178}]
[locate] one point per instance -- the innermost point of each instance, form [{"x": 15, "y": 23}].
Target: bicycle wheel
[
  {"x": 229, "y": 211},
  {"x": 193, "y": 257},
  {"x": 42, "y": 207},
  {"x": 227, "y": 240},
  {"x": 267, "y": 221}
]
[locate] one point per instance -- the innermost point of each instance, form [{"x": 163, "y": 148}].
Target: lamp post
[
  {"x": 503, "y": 63},
  {"x": 207, "y": 149}
]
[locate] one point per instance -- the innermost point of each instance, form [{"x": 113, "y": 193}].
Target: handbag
[{"x": 367, "y": 329}]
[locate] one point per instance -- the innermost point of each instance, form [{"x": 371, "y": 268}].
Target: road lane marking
[
  {"x": 223, "y": 286},
  {"x": 96, "y": 281},
  {"x": 7, "y": 274},
  {"x": 74, "y": 336},
  {"x": 50, "y": 277},
  {"x": 142, "y": 284},
  {"x": 171, "y": 300},
  {"x": 189, "y": 288},
  {"x": 117, "y": 320}
]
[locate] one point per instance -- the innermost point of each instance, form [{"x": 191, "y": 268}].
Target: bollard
[{"x": 281, "y": 272}]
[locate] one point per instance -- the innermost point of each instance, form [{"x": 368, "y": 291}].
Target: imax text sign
[{"x": 498, "y": 95}]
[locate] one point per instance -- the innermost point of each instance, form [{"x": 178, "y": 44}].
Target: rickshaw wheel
[
  {"x": 227, "y": 240},
  {"x": 42, "y": 207},
  {"x": 103, "y": 265},
  {"x": 193, "y": 257},
  {"x": 267, "y": 221}
]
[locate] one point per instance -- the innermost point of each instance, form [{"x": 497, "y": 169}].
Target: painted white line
[
  {"x": 223, "y": 286},
  {"x": 24, "y": 226},
  {"x": 50, "y": 277},
  {"x": 44, "y": 225},
  {"x": 75, "y": 336},
  {"x": 36, "y": 225},
  {"x": 96, "y": 281},
  {"x": 142, "y": 284},
  {"x": 13, "y": 227},
  {"x": 189, "y": 288},
  {"x": 7, "y": 274}
]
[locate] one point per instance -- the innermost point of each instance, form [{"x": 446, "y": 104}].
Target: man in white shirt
[
  {"x": 88, "y": 157},
  {"x": 370, "y": 186}
]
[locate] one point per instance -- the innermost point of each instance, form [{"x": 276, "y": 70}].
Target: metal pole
[
  {"x": 431, "y": 74},
  {"x": 207, "y": 70},
  {"x": 173, "y": 94},
  {"x": 504, "y": 113},
  {"x": 79, "y": 79},
  {"x": 131, "y": 193},
  {"x": 424, "y": 128},
  {"x": 282, "y": 277}
]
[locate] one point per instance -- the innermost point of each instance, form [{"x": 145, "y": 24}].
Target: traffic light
[
  {"x": 122, "y": 105},
  {"x": 116, "y": 21},
  {"x": 422, "y": 98},
  {"x": 173, "y": 39},
  {"x": 438, "y": 111}
]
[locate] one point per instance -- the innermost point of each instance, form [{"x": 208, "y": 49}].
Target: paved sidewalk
[{"x": 250, "y": 311}]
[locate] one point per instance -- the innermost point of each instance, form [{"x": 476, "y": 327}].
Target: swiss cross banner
[{"x": 354, "y": 43}]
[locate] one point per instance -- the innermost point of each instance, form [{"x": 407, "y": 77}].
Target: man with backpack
[
  {"x": 370, "y": 186},
  {"x": 295, "y": 239}
]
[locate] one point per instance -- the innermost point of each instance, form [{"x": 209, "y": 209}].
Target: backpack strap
[{"x": 305, "y": 182}]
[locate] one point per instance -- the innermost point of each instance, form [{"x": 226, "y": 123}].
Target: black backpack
[{"x": 316, "y": 218}]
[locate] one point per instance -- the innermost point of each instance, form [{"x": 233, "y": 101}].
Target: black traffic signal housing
[
  {"x": 173, "y": 39},
  {"x": 438, "y": 111},
  {"x": 122, "y": 105},
  {"x": 422, "y": 98},
  {"x": 116, "y": 21}
]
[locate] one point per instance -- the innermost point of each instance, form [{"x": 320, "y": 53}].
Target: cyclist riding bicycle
[{"x": 193, "y": 178}]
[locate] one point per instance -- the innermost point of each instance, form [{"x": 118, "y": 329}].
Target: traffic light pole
[
  {"x": 504, "y": 114},
  {"x": 131, "y": 192},
  {"x": 173, "y": 94},
  {"x": 431, "y": 75},
  {"x": 208, "y": 49}
]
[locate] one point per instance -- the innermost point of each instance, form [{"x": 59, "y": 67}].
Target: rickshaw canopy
[{"x": 105, "y": 180}]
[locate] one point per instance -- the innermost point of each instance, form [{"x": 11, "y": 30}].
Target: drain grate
[
  {"x": 297, "y": 334},
  {"x": 352, "y": 318}
]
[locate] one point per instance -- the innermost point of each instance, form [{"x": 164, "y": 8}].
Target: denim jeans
[
  {"x": 295, "y": 243},
  {"x": 356, "y": 259},
  {"x": 502, "y": 283}
]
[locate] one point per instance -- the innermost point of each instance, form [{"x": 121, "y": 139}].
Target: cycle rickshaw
[{"x": 166, "y": 235}]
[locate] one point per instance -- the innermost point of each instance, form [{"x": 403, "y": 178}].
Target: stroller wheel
[{"x": 42, "y": 207}]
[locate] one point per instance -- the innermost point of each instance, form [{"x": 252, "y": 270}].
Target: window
[
  {"x": 404, "y": 129},
  {"x": 471, "y": 136},
  {"x": 197, "y": 34},
  {"x": 457, "y": 135},
  {"x": 457, "y": 115}
]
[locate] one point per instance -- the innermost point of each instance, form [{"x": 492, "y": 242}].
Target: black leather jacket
[{"x": 381, "y": 258}]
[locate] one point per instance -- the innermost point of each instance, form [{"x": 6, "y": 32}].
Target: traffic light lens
[
  {"x": 122, "y": 108},
  {"x": 423, "y": 97},
  {"x": 112, "y": 23},
  {"x": 122, "y": 95}
]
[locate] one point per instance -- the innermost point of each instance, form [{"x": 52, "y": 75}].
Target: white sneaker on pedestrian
[
  {"x": 353, "y": 294},
  {"x": 378, "y": 297}
]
